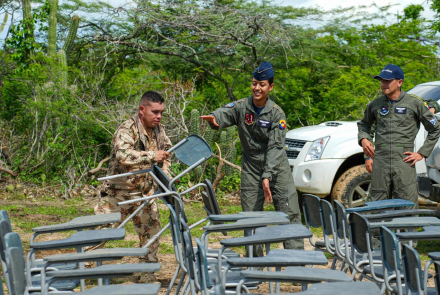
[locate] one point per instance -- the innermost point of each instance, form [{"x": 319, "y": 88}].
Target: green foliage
[
  {"x": 322, "y": 72},
  {"x": 52, "y": 36},
  {"x": 74, "y": 24},
  {"x": 195, "y": 126},
  {"x": 413, "y": 11}
]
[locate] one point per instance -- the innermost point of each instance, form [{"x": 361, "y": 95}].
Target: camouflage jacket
[{"x": 132, "y": 150}]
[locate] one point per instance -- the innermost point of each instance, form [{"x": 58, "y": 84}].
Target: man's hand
[
  {"x": 413, "y": 157},
  {"x": 159, "y": 156},
  {"x": 210, "y": 118},
  {"x": 266, "y": 189},
  {"x": 369, "y": 165},
  {"x": 368, "y": 148}
]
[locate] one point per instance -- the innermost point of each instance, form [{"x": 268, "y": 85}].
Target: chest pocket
[{"x": 403, "y": 115}]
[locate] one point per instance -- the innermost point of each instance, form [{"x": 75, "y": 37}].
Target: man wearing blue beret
[{"x": 265, "y": 171}]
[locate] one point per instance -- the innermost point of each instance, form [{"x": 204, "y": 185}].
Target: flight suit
[
  {"x": 397, "y": 127},
  {"x": 262, "y": 140}
]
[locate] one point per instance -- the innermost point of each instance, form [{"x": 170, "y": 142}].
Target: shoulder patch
[
  {"x": 426, "y": 105},
  {"x": 229, "y": 105},
  {"x": 282, "y": 124}
]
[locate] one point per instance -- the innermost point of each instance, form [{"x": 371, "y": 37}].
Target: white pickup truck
[{"x": 326, "y": 159}]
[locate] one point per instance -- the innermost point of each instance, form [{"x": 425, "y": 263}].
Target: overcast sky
[{"x": 329, "y": 4}]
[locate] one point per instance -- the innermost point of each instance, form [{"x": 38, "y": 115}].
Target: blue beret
[
  {"x": 390, "y": 72},
  {"x": 263, "y": 72}
]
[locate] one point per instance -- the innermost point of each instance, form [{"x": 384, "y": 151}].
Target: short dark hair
[
  {"x": 271, "y": 81},
  {"x": 151, "y": 96}
]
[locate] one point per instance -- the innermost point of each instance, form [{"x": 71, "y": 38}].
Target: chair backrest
[
  {"x": 213, "y": 204},
  {"x": 390, "y": 250},
  {"x": 202, "y": 266},
  {"x": 189, "y": 251},
  {"x": 5, "y": 228},
  {"x": 359, "y": 230},
  {"x": 167, "y": 181},
  {"x": 311, "y": 209},
  {"x": 412, "y": 269},
  {"x": 5, "y": 216},
  {"x": 327, "y": 217},
  {"x": 341, "y": 220},
  {"x": 16, "y": 268}
]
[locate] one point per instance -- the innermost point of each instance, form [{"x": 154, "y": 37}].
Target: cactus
[
  {"x": 72, "y": 33},
  {"x": 62, "y": 61},
  {"x": 27, "y": 18},
  {"x": 5, "y": 19},
  {"x": 195, "y": 122},
  {"x": 52, "y": 38}
]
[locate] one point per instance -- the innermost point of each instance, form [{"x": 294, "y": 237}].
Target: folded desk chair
[
  {"x": 19, "y": 286},
  {"x": 415, "y": 278},
  {"x": 77, "y": 240}
]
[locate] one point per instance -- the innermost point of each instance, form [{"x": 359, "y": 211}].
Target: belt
[{"x": 409, "y": 145}]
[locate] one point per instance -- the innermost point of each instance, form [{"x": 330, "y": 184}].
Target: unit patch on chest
[
  {"x": 264, "y": 123},
  {"x": 384, "y": 110},
  {"x": 400, "y": 110},
  {"x": 249, "y": 119}
]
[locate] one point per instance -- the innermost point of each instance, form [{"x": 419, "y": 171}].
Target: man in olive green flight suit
[
  {"x": 265, "y": 174},
  {"x": 433, "y": 106},
  {"x": 398, "y": 116}
]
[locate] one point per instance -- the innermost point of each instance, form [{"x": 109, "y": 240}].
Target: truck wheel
[{"x": 352, "y": 187}]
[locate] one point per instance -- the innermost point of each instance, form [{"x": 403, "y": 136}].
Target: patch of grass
[
  {"x": 121, "y": 244},
  {"x": 328, "y": 255},
  {"x": 427, "y": 246},
  {"x": 166, "y": 248}
]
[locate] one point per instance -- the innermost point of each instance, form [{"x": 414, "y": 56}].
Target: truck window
[{"x": 426, "y": 91}]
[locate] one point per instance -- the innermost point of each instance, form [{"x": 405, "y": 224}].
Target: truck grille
[
  {"x": 292, "y": 155},
  {"x": 294, "y": 146}
]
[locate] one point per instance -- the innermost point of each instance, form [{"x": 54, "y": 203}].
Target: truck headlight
[{"x": 316, "y": 149}]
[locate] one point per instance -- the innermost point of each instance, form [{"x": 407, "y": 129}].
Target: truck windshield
[{"x": 426, "y": 91}]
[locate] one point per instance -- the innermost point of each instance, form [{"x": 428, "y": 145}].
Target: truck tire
[{"x": 352, "y": 187}]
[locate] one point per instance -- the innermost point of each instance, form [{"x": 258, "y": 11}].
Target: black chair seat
[
  {"x": 282, "y": 257},
  {"x": 298, "y": 274},
  {"x": 134, "y": 289},
  {"x": 59, "y": 285},
  {"x": 434, "y": 255}
]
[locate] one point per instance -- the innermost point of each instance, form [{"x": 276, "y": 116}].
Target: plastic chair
[
  {"x": 392, "y": 264},
  {"x": 360, "y": 239},
  {"x": 17, "y": 279},
  {"x": 311, "y": 209},
  {"x": 329, "y": 231},
  {"x": 416, "y": 280}
]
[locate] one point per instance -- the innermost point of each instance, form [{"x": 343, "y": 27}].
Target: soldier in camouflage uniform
[
  {"x": 139, "y": 143},
  {"x": 265, "y": 171},
  {"x": 398, "y": 116}
]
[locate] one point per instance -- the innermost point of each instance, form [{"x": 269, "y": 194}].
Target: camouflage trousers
[{"x": 146, "y": 222}]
